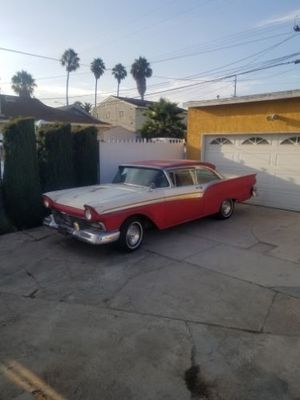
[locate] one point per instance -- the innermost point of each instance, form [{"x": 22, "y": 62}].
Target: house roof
[
  {"x": 140, "y": 102},
  {"x": 287, "y": 94},
  {"x": 15, "y": 106},
  {"x": 135, "y": 102}
]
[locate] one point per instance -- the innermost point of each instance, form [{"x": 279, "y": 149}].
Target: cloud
[{"x": 280, "y": 19}]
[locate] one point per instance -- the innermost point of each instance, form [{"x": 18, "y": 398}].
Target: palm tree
[
  {"x": 23, "y": 84},
  {"x": 164, "y": 119},
  {"x": 119, "y": 72},
  {"x": 70, "y": 60},
  {"x": 87, "y": 107},
  {"x": 97, "y": 68},
  {"x": 140, "y": 70}
]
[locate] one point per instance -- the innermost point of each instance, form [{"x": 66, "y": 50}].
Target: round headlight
[
  {"x": 46, "y": 203},
  {"x": 88, "y": 214}
]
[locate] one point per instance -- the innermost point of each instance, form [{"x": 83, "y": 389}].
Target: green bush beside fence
[
  {"x": 56, "y": 158},
  {"x": 86, "y": 156},
  {"x": 61, "y": 159},
  {"x": 21, "y": 182},
  {"x": 5, "y": 224}
]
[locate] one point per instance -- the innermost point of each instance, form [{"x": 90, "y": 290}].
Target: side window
[
  {"x": 160, "y": 180},
  {"x": 205, "y": 175},
  {"x": 183, "y": 177}
]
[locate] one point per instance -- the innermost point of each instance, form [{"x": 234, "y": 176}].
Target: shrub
[
  {"x": 55, "y": 151},
  {"x": 5, "y": 224},
  {"x": 86, "y": 156},
  {"x": 21, "y": 183}
]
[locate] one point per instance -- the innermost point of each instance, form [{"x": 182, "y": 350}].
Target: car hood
[{"x": 101, "y": 197}]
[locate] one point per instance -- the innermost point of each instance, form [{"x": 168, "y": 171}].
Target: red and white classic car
[{"x": 159, "y": 193}]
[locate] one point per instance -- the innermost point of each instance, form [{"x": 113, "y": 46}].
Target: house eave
[{"x": 283, "y": 95}]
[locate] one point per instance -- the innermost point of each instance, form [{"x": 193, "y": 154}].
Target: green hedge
[
  {"x": 86, "y": 156},
  {"x": 5, "y": 224},
  {"x": 21, "y": 182},
  {"x": 56, "y": 158}
]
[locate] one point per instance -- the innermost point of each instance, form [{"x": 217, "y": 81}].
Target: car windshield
[{"x": 141, "y": 177}]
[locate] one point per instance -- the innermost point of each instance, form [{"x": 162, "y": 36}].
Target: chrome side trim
[
  {"x": 91, "y": 236},
  {"x": 177, "y": 197}
]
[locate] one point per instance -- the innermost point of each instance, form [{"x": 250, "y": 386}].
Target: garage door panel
[
  {"x": 257, "y": 160},
  {"x": 277, "y": 167},
  {"x": 288, "y": 179},
  {"x": 288, "y": 160}
]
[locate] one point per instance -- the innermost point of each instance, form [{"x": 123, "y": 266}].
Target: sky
[{"x": 194, "y": 46}]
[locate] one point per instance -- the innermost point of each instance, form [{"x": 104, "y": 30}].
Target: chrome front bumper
[{"x": 92, "y": 236}]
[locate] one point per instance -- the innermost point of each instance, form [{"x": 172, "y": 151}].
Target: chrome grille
[{"x": 68, "y": 220}]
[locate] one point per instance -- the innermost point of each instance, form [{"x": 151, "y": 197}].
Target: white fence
[{"x": 115, "y": 152}]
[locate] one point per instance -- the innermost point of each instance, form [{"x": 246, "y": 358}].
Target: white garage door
[{"x": 275, "y": 159}]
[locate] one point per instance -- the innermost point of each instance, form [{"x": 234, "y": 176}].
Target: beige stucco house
[{"x": 124, "y": 112}]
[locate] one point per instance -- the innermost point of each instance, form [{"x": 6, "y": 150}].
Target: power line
[
  {"x": 25, "y": 53},
  {"x": 28, "y": 54},
  {"x": 217, "y": 49},
  {"x": 225, "y": 77}
]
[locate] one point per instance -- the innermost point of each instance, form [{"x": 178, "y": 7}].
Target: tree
[
  {"x": 119, "y": 72},
  {"x": 70, "y": 60},
  {"x": 163, "y": 119},
  {"x": 23, "y": 84},
  {"x": 97, "y": 68},
  {"x": 87, "y": 107},
  {"x": 140, "y": 70}
]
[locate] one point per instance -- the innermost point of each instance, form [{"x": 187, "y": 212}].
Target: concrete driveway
[{"x": 207, "y": 310}]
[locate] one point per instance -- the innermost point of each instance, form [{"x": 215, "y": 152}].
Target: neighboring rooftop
[
  {"x": 135, "y": 102},
  {"x": 139, "y": 102},
  {"x": 15, "y": 106},
  {"x": 288, "y": 94}
]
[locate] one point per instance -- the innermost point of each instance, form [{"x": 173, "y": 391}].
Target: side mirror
[{"x": 152, "y": 186}]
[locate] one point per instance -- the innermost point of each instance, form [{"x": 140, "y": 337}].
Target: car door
[{"x": 183, "y": 199}]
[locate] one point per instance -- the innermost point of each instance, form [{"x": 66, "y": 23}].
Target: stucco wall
[
  {"x": 241, "y": 118},
  {"x": 117, "y": 113}
]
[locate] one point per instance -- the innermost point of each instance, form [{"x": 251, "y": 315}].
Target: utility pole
[{"x": 234, "y": 82}]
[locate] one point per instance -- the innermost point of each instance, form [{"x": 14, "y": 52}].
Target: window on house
[
  {"x": 292, "y": 140},
  {"x": 221, "y": 140},
  {"x": 255, "y": 140},
  {"x": 121, "y": 114},
  {"x": 107, "y": 115}
]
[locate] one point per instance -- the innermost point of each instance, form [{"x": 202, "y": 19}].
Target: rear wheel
[
  {"x": 131, "y": 234},
  {"x": 226, "y": 209}
]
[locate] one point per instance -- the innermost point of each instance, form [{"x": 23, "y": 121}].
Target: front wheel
[
  {"x": 131, "y": 235},
  {"x": 226, "y": 209}
]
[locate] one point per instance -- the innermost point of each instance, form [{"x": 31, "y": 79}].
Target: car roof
[{"x": 171, "y": 163}]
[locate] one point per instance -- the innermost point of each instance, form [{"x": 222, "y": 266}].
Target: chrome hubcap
[
  {"x": 134, "y": 234},
  {"x": 226, "y": 207}
]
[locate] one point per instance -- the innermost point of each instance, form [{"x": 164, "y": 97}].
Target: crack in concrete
[
  {"x": 35, "y": 239},
  {"x": 268, "y": 312},
  {"x": 108, "y": 300},
  {"x": 213, "y": 271},
  {"x": 164, "y": 317},
  {"x": 32, "y": 277},
  {"x": 32, "y": 294}
]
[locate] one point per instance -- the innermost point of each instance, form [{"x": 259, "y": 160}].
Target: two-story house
[{"x": 125, "y": 114}]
